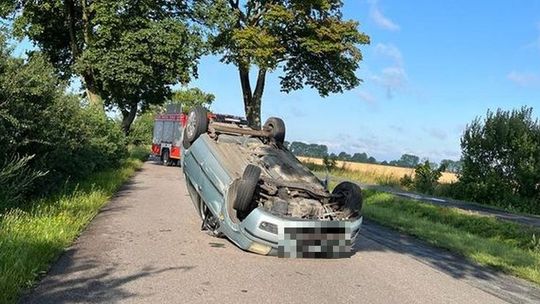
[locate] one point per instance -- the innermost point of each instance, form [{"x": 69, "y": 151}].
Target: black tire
[
  {"x": 165, "y": 157},
  {"x": 276, "y": 127},
  {"x": 246, "y": 189},
  {"x": 197, "y": 124},
  {"x": 350, "y": 195}
]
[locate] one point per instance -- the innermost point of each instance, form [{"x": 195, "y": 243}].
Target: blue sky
[{"x": 431, "y": 68}]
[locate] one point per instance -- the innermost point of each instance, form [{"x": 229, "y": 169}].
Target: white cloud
[
  {"x": 390, "y": 51},
  {"x": 380, "y": 19},
  {"x": 367, "y": 97},
  {"x": 524, "y": 79},
  {"x": 392, "y": 78}
]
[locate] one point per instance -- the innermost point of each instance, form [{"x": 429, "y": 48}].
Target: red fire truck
[{"x": 167, "y": 141}]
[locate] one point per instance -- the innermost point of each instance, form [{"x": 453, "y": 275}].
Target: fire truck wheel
[
  {"x": 197, "y": 124},
  {"x": 276, "y": 127},
  {"x": 165, "y": 158}
]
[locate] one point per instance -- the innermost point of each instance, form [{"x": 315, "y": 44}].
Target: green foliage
[
  {"x": 329, "y": 162},
  {"x": 136, "y": 56},
  {"x": 407, "y": 181},
  {"x": 501, "y": 160},
  {"x": 407, "y": 161},
  {"x": 426, "y": 178},
  {"x": 308, "y": 40},
  {"x": 503, "y": 245},
  {"x": 309, "y": 150},
  {"x": 16, "y": 179},
  {"x": 142, "y": 129},
  {"x": 452, "y": 165},
  {"x": 127, "y": 53},
  {"x": 189, "y": 98},
  {"x": 38, "y": 119}
]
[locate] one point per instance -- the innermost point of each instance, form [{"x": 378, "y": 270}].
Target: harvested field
[{"x": 388, "y": 172}]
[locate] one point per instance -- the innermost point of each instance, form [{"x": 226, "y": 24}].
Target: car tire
[
  {"x": 246, "y": 189},
  {"x": 350, "y": 195},
  {"x": 197, "y": 124},
  {"x": 276, "y": 127}
]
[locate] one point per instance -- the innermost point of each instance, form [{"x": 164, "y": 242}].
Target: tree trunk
[
  {"x": 252, "y": 100},
  {"x": 70, "y": 12},
  {"x": 128, "y": 116},
  {"x": 92, "y": 91}
]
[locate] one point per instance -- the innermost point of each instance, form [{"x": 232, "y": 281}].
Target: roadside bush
[
  {"x": 329, "y": 162},
  {"x": 16, "y": 177},
  {"x": 142, "y": 129},
  {"x": 66, "y": 140},
  {"x": 501, "y": 160},
  {"x": 425, "y": 178},
  {"x": 407, "y": 181}
]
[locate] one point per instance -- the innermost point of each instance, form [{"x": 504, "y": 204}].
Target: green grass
[
  {"x": 33, "y": 238},
  {"x": 509, "y": 247}
]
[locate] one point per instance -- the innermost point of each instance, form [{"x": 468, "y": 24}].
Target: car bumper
[{"x": 273, "y": 235}]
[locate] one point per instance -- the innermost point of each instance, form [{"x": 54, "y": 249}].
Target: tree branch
[
  {"x": 70, "y": 12},
  {"x": 254, "y": 20},
  {"x": 259, "y": 88},
  {"x": 236, "y": 6},
  {"x": 87, "y": 27}
]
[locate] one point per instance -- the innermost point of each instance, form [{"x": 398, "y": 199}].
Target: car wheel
[
  {"x": 203, "y": 209},
  {"x": 350, "y": 195},
  {"x": 197, "y": 124},
  {"x": 165, "y": 158},
  {"x": 276, "y": 127},
  {"x": 246, "y": 189}
]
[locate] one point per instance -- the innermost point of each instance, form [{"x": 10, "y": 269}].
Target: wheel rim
[{"x": 190, "y": 128}]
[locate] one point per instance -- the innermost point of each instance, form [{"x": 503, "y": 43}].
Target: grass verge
[
  {"x": 31, "y": 239},
  {"x": 509, "y": 247}
]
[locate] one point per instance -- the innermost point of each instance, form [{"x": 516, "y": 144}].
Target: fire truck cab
[{"x": 167, "y": 139}]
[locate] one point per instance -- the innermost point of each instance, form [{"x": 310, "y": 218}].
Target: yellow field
[{"x": 388, "y": 172}]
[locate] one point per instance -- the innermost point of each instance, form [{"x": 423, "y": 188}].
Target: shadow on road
[
  {"x": 375, "y": 237},
  {"x": 88, "y": 282}
]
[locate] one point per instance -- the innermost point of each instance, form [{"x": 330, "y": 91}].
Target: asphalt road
[{"x": 146, "y": 246}]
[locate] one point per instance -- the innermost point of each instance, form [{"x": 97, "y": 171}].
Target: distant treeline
[{"x": 406, "y": 160}]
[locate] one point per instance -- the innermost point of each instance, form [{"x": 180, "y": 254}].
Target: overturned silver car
[{"x": 248, "y": 187}]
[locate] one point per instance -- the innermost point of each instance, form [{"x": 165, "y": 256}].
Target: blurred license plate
[{"x": 315, "y": 242}]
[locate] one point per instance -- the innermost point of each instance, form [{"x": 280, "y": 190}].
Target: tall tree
[
  {"x": 192, "y": 97},
  {"x": 308, "y": 40},
  {"x": 126, "y": 53}
]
